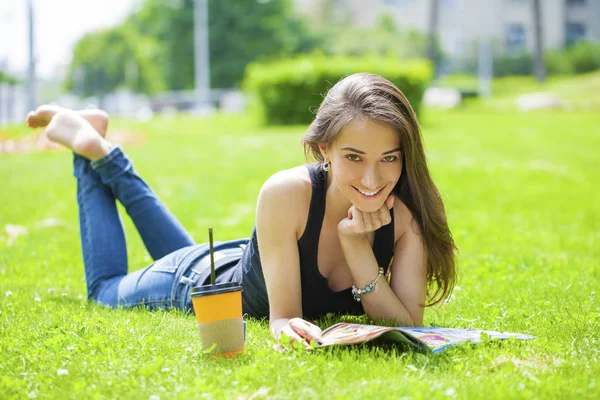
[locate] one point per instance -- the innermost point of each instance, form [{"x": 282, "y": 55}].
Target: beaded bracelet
[{"x": 356, "y": 292}]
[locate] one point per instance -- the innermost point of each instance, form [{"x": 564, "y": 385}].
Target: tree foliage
[
  {"x": 5, "y": 78},
  {"x": 118, "y": 57},
  {"x": 384, "y": 39},
  {"x": 157, "y": 41},
  {"x": 240, "y": 31}
]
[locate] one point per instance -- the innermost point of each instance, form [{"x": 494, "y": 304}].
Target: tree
[
  {"x": 540, "y": 70},
  {"x": 5, "y": 78},
  {"x": 108, "y": 59},
  {"x": 432, "y": 47},
  {"x": 240, "y": 31},
  {"x": 384, "y": 39}
]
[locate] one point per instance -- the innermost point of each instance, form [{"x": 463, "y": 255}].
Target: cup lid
[{"x": 217, "y": 288}]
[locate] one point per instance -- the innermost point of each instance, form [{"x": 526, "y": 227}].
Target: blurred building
[{"x": 509, "y": 23}]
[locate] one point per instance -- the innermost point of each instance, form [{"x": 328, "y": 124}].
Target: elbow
[{"x": 415, "y": 321}]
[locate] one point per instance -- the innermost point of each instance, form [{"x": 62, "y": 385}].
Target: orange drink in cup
[{"x": 218, "y": 310}]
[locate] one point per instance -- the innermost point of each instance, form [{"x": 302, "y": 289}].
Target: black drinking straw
[{"x": 212, "y": 257}]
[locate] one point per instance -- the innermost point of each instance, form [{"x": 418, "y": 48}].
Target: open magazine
[{"x": 426, "y": 340}]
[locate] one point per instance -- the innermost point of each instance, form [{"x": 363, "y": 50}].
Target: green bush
[
  {"x": 580, "y": 58},
  {"x": 290, "y": 91},
  {"x": 585, "y": 56},
  {"x": 558, "y": 62},
  {"x": 513, "y": 65}
]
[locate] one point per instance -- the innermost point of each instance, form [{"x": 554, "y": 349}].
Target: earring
[{"x": 326, "y": 166}]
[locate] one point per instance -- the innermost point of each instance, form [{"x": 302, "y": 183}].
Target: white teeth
[{"x": 368, "y": 193}]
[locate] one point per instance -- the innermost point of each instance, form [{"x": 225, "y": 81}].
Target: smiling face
[{"x": 366, "y": 162}]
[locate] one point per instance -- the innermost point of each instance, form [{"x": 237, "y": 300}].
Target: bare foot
[
  {"x": 71, "y": 130},
  {"x": 42, "y": 116}
]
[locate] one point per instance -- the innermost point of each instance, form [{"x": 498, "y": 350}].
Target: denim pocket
[{"x": 164, "y": 266}]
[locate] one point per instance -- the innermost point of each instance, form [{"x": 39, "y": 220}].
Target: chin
[
  {"x": 366, "y": 208},
  {"x": 368, "y": 205}
]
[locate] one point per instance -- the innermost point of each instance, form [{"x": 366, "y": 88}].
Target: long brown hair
[{"x": 375, "y": 97}]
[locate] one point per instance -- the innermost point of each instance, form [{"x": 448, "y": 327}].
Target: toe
[{"x": 29, "y": 120}]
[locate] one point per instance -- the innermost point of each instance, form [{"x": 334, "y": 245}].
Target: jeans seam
[
  {"x": 145, "y": 302},
  {"x": 188, "y": 268},
  {"x": 86, "y": 245},
  {"x": 185, "y": 292}
]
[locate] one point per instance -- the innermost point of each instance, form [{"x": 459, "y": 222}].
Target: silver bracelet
[{"x": 356, "y": 292}]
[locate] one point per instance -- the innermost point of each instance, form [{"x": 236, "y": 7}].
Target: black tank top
[{"x": 317, "y": 298}]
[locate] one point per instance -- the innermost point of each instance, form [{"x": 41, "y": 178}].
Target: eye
[
  {"x": 390, "y": 159},
  {"x": 353, "y": 157}
]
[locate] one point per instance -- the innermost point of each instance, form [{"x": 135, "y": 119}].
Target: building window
[
  {"x": 575, "y": 32},
  {"x": 515, "y": 38},
  {"x": 571, "y": 3}
]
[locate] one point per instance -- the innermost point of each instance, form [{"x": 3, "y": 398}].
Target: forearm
[{"x": 381, "y": 303}]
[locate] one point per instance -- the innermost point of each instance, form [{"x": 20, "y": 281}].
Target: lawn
[
  {"x": 521, "y": 191},
  {"x": 578, "y": 92}
]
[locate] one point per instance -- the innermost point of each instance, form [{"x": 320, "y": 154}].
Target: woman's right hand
[{"x": 300, "y": 331}]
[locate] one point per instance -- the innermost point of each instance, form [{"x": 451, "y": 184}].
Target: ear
[{"x": 323, "y": 149}]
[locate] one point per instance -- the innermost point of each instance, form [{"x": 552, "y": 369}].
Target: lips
[{"x": 368, "y": 194}]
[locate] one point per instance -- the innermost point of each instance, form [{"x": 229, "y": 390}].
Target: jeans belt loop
[{"x": 187, "y": 281}]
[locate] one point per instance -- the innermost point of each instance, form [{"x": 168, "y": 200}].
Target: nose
[{"x": 370, "y": 179}]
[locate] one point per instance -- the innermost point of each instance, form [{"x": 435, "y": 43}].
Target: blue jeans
[{"x": 165, "y": 283}]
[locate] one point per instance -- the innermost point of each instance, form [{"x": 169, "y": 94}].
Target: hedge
[
  {"x": 580, "y": 58},
  {"x": 505, "y": 65},
  {"x": 289, "y": 91}
]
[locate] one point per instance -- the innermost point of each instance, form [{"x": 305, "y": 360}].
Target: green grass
[
  {"x": 577, "y": 93},
  {"x": 521, "y": 191}
]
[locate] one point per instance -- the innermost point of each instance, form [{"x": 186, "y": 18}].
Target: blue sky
[{"x": 58, "y": 25}]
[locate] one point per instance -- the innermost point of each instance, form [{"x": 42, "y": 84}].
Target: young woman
[{"x": 361, "y": 230}]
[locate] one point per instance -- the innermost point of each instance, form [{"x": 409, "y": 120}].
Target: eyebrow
[{"x": 352, "y": 149}]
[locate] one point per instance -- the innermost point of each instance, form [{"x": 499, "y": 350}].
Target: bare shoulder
[
  {"x": 290, "y": 184},
  {"x": 286, "y": 196},
  {"x": 404, "y": 220}
]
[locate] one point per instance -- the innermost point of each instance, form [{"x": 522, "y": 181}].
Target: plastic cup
[{"x": 218, "y": 310}]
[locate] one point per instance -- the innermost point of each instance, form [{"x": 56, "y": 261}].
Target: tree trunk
[
  {"x": 432, "y": 51},
  {"x": 540, "y": 70}
]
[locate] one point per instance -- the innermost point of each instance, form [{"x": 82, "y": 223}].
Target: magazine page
[
  {"x": 421, "y": 339},
  {"x": 440, "y": 338},
  {"x": 347, "y": 333}
]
